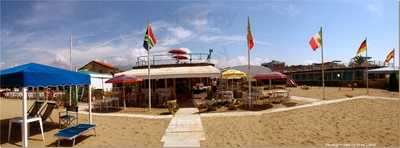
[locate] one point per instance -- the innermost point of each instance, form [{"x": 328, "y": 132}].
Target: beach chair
[
  {"x": 33, "y": 116},
  {"x": 68, "y": 116},
  {"x": 72, "y": 132},
  {"x": 35, "y": 108},
  {"x": 48, "y": 110}
]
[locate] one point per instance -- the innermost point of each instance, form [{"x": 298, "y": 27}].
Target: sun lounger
[{"x": 72, "y": 132}]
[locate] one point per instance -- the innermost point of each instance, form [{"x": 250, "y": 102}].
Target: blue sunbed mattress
[{"x": 74, "y": 131}]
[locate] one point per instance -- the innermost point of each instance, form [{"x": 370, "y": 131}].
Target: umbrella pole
[
  {"x": 123, "y": 92},
  {"x": 270, "y": 84}
]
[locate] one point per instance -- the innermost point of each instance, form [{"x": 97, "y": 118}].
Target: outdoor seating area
[
  {"x": 232, "y": 90},
  {"x": 106, "y": 104},
  {"x": 37, "y": 75}
]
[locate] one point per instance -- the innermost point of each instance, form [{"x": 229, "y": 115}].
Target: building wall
[
  {"x": 332, "y": 77},
  {"x": 341, "y": 78},
  {"x": 99, "y": 82}
]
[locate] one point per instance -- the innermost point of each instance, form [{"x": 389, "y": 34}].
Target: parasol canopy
[
  {"x": 233, "y": 74},
  {"x": 124, "y": 79},
  {"x": 270, "y": 76},
  {"x": 177, "y": 51},
  {"x": 180, "y": 57}
]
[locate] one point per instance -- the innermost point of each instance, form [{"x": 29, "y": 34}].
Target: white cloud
[
  {"x": 180, "y": 32},
  {"x": 284, "y": 8},
  {"x": 177, "y": 35},
  {"x": 375, "y": 8},
  {"x": 223, "y": 62},
  {"x": 311, "y": 61},
  {"x": 224, "y": 39},
  {"x": 47, "y": 12}
]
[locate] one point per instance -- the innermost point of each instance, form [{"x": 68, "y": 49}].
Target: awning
[
  {"x": 175, "y": 72},
  {"x": 270, "y": 76},
  {"x": 33, "y": 75},
  {"x": 384, "y": 70}
]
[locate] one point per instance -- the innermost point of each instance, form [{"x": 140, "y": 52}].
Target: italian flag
[{"x": 316, "y": 40}]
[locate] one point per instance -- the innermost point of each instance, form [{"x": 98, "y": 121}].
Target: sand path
[{"x": 184, "y": 130}]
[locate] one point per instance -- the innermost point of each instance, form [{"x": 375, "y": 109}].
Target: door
[{"x": 183, "y": 92}]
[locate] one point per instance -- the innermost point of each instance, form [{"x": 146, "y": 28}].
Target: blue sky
[{"x": 38, "y": 31}]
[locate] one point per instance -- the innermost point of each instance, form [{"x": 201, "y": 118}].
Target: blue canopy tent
[{"x": 35, "y": 75}]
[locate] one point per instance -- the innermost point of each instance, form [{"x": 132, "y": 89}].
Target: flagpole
[
  {"x": 366, "y": 54},
  {"x": 394, "y": 59},
  {"x": 322, "y": 66},
  {"x": 249, "y": 78},
  {"x": 70, "y": 66},
  {"x": 148, "y": 77},
  {"x": 250, "y": 101},
  {"x": 399, "y": 43}
]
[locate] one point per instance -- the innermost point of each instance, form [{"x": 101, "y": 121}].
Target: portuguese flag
[
  {"x": 316, "y": 40},
  {"x": 389, "y": 57},
  {"x": 250, "y": 40},
  {"x": 362, "y": 48},
  {"x": 149, "y": 38}
]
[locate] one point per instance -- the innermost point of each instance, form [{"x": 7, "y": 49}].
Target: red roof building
[{"x": 99, "y": 67}]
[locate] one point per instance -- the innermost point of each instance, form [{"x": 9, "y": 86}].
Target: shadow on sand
[{"x": 16, "y": 131}]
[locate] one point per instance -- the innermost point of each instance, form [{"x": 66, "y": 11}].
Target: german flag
[
  {"x": 149, "y": 38},
  {"x": 362, "y": 48},
  {"x": 389, "y": 57}
]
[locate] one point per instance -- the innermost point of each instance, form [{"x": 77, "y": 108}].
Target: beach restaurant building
[
  {"x": 334, "y": 75},
  {"x": 171, "y": 78}
]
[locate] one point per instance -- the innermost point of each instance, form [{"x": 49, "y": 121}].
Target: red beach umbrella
[
  {"x": 270, "y": 76},
  {"x": 177, "y": 51},
  {"x": 124, "y": 79},
  {"x": 180, "y": 57}
]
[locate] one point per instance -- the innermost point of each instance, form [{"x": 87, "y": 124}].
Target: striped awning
[{"x": 175, "y": 72}]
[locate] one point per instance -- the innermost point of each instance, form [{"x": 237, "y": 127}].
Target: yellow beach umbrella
[{"x": 233, "y": 74}]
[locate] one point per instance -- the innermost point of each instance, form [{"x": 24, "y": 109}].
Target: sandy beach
[
  {"x": 375, "y": 122},
  {"x": 111, "y": 131},
  {"x": 339, "y": 92}
]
